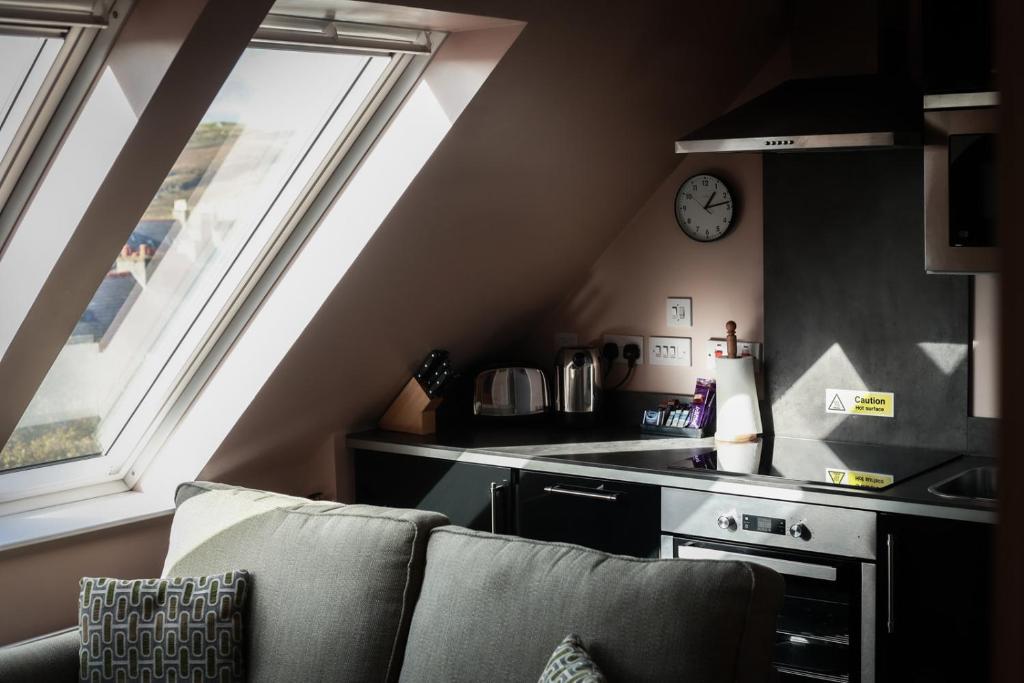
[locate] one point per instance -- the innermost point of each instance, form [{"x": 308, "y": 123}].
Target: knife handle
[
  {"x": 439, "y": 379},
  {"x": 430, "y": 366}
]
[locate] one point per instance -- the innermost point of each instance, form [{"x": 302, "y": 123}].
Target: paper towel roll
[{"x": 738, "y": 415}]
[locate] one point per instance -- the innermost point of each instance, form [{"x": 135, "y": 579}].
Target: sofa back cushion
[
  {"x": 333, "y": 586},
  {"x": 494, "y": 608}
]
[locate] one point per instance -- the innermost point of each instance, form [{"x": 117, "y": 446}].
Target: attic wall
[
  {"x": 624, "y": 291},
  {"x": 558, "y": 150}
]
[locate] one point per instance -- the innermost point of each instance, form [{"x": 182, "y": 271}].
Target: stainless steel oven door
[{"x": 826, "y": 626}]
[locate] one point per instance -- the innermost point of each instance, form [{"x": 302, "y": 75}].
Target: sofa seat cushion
[
  {"x": 500, "y": 603},
  {"x": 333, "y": 586}
]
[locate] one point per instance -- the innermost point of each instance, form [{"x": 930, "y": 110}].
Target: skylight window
[
  {"x": 25, "y": 60},
  {"x": 261, "y": 146}
]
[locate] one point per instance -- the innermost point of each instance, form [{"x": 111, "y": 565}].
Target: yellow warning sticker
[
  {"x": 857, "y": 402},
  {"x": 872, "y": 480}
]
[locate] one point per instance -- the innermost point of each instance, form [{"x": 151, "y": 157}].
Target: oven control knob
[
  {"x": 798, "y": 530},
  {"x": 727, "y": 523}
]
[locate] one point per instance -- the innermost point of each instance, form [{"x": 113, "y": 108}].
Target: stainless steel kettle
[{"x": 577, "y": 380}]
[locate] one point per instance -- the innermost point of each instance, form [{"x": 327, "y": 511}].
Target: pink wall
[
  {"x": 624, "y": 291},
  {"x": 51, "y": 572}
]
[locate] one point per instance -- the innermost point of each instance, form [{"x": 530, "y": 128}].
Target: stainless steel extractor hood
[{"x": 817, "y": 113}]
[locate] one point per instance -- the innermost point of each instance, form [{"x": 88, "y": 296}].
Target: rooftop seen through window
[{"x": 263, "y": 139}]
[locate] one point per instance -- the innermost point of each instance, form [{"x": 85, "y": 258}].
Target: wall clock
[{"x": 704, "y": 208}]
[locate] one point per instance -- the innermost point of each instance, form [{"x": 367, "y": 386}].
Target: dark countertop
[{"x": 627, "y": 454}]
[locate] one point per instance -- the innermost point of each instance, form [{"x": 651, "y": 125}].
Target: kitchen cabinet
[
  {"x": 934, "y": 601},
  {"x": 470, "y": 495},
  {"x": 613, "y": 516}
]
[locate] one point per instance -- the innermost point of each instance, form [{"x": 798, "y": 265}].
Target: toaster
[{"x": 510, "y": 391}]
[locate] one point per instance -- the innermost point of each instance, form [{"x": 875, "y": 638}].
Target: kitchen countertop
[{"x": 533, "y": 448}]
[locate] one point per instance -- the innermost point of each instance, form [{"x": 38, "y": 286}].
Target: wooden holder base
[{"x": 412, "y": 412}]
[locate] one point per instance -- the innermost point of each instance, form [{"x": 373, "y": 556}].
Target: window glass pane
[
  {"x": 259, "y": 144},
  {"x": 24, "y": 63}
]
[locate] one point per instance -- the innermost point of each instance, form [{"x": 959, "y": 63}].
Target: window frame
[
  {"x": 61, "y": 482},
  {"x": 87, "y": 40}
]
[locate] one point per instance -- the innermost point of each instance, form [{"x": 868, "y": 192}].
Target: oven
[{"x": 826, "y": 626}]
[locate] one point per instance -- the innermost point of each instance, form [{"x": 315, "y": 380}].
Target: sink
[{"x": 978, "y": 483}]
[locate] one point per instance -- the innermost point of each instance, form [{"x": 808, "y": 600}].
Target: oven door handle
[{"x": 822, "y": 572}]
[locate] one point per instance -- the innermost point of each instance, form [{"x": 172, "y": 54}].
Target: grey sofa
[{"x": 361, "y": 593}]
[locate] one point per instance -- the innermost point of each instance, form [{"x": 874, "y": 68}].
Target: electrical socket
[
  {"x": 622, "y": 340},
  {"x": 670, "y": 351},
  {"x": 716, "y": 346}
]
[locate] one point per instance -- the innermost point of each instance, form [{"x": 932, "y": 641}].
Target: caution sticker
[
  {"x": 856, "y": 402},
  {"x": 872, "y": 480}
]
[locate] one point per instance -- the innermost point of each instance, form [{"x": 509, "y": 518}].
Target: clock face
[{"x": 704, "y": 208}]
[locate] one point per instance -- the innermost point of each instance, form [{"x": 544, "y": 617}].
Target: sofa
[{"x": 362, "y": 593}]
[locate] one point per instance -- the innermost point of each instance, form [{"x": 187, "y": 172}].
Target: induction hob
[{"x": 798, "y": 461}]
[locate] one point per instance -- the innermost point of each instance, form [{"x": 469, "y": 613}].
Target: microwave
[{"x": 960, "y": 181}]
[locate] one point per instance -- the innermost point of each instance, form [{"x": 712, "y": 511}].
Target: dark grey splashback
[{"x": 849, "y": 306}]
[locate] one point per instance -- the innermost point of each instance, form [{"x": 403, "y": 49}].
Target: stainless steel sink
[{"x": 978, "y": 483}]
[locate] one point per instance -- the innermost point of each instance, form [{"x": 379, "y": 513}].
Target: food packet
[{"x": 703, "y": 406}]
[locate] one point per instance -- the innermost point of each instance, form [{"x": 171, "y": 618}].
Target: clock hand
[
  {"x": 711, "y": 206},
  {"x": 712, "y": 196}
]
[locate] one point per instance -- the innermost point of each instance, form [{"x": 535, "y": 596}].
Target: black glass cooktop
[{"x": 795, "y": 460}]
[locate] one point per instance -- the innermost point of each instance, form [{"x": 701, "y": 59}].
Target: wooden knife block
[{"x": 412, "y": 412}]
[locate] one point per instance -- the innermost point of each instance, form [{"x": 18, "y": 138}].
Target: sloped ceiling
[{"x": 559, "y": 149}]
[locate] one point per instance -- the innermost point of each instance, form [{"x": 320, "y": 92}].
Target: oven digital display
[{"x": 765, "y": 525}]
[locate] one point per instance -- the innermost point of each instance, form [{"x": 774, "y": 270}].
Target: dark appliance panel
[
  {"x": 960, "y": 190},
  {"x": 470, "y": 495},
  {"x": 616, "y": 517}
]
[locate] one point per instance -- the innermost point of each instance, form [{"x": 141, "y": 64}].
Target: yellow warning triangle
[{"x": 836, "y": 476}]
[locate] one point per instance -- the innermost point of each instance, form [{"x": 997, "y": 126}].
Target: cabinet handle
[
  {"x": 610, "y": 496},
  {"x": 890, "y": 582},
  {"x": 496, "y": 489}
]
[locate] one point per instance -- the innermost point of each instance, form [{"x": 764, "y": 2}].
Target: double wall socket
[
  {"x": 670, "y": 351},
  {"x": 622, "y": 340}
]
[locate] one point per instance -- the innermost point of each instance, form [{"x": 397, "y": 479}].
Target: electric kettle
[{"x": 577, "y": 380}]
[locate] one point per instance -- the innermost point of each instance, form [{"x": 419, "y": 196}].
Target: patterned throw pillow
[
  {"x": 154, "y": 630},
  {"x": 570, "y": 663}
]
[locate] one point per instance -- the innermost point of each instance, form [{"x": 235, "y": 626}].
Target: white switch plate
[
  {"x": 622, "y": 340},
  {"x": 679, "y": 311},
  {"x": 743, "y": 348},
  {"x": 669, "y": 351}
]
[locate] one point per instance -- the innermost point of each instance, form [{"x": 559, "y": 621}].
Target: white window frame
[
  {"x": 63, "y": 88},
  {"x": 247, "y": 280}
]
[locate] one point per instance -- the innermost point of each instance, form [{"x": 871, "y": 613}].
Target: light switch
[
  {"x": 670, "y": 350},
  {"x": 679, "y": 312}
]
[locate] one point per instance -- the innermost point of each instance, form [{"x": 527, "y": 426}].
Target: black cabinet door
[
  {"x": 934, "y": 600},
  {"x": 470, "y": 495},
  {"x": 615, "y": 517}
]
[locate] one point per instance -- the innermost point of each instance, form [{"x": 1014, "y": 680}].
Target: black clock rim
[{"x": 735, "y": 208}]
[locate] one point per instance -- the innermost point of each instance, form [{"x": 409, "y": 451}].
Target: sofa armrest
[{"x": 53, "y": 657}]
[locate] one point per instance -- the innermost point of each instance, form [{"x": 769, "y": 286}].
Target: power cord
[
  {"x": 609, "y": 352},
  {"x": 631, "y": 352}
]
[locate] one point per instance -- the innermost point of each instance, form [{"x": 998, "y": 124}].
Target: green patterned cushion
[
  {"x": 570, "y": 663},
  {"x": 154, "y": 630}
]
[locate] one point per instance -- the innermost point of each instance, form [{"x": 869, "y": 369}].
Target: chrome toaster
[{"x": 510, "y": 392}]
